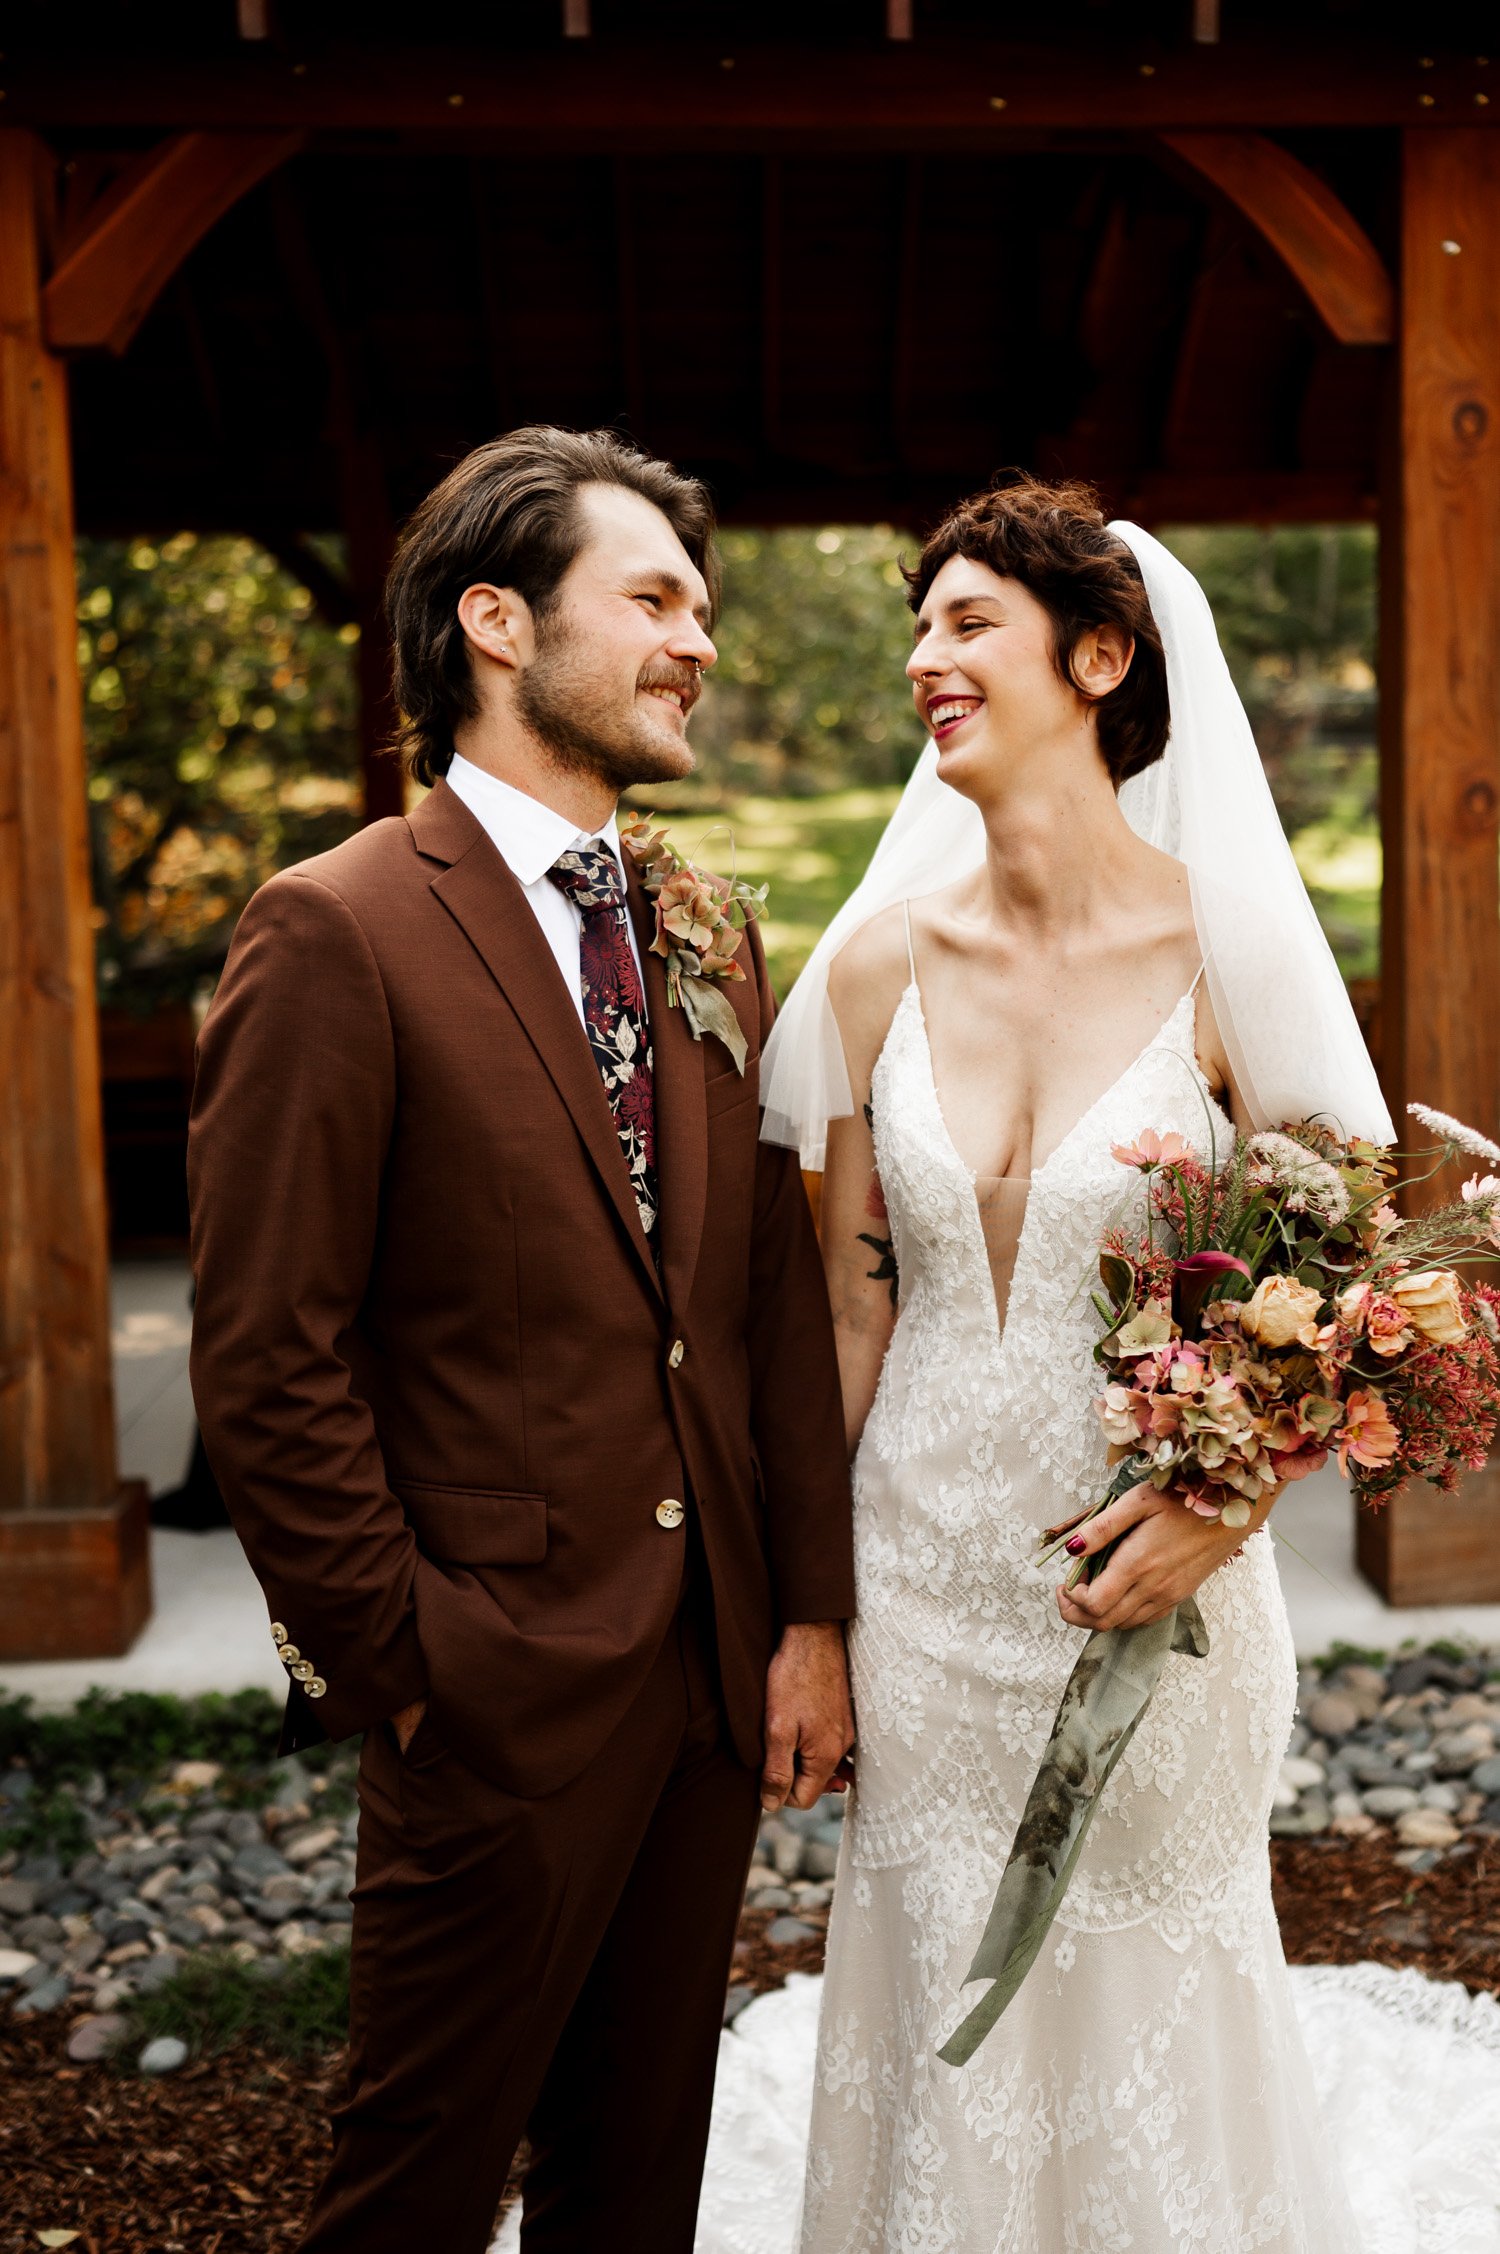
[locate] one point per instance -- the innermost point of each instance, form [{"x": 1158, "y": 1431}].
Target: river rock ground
[{"x": 1385, "y": 1845}]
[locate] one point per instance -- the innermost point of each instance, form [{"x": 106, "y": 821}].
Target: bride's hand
[{"x": 1168, "y": 1554}]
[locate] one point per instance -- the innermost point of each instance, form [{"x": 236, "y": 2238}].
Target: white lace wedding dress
[{"x": 1149, "y": 2090}]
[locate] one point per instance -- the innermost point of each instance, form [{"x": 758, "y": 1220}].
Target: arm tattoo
[{"x": 886, "y": 1271}]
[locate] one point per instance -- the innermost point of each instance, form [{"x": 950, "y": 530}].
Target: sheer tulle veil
[{"x": 1289, "y": 1031}]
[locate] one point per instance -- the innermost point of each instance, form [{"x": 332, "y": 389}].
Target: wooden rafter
[
  {"x": 944, "y": 82},
  {"x": 109, "y": 275},
  {"x": 575, "y": 19},
  {"x": 898, "y": 19},
  {"x": 1317, "y": 237}
]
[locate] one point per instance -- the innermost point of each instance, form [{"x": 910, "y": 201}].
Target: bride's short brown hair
[{"x": 1054, "y": 540}]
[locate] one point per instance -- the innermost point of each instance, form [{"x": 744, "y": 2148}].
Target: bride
[{"x": 1083, "y": 923}]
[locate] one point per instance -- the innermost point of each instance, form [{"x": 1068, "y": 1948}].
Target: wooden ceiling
[
  {"x": 836, "y": 271},
  {"x": 825, "y": 337}
]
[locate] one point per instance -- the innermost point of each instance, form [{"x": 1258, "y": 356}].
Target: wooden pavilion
[{"x": 269, "y": 265}]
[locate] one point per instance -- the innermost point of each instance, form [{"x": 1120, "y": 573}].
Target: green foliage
[
  {"x": 126, "y": 1735},
  {"x": 219, "y": 716},
  {"x": 810, "y": 693},
  {"x": 1340, "y": 1654},
  {"x": 296, "y": 2008}
]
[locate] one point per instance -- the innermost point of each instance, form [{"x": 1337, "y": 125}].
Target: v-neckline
[{"x": 914, "y": 993}]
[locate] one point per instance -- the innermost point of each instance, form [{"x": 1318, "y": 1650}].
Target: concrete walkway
[{"x": 209, "y": 1627}]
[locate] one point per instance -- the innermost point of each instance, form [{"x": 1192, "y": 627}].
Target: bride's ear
[{"x": 1101, "y": 659}]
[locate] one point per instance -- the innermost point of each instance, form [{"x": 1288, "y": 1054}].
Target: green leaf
[
  {"x": 1117, "y": 1276},
  {"x": 709, "y": 1011},
  {"x": 1107, "y": 1693}
]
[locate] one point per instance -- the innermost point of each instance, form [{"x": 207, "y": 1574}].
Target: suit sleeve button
[
  {"x": 289, "y": 1655},
  {"x": 278, "y": 1632},
  {"x": 669, "y": 1513},
  {"x": 316, "y": 1687},
  {"x": 674, "y": 1359}
]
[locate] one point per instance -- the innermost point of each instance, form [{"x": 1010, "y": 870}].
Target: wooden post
[
  {"x": 74, "y": 1566},
  {"x": 1440, "y": 700}
]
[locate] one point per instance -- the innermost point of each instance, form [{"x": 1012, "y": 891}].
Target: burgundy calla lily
[{"x": 1211, "y": 1264}]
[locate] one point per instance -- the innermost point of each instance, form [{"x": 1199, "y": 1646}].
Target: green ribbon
[{"x": 1108, "y": 1692}]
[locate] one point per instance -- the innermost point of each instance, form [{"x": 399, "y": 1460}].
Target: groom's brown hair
[
  {"x": 1055, "y": 541},
  {"x": 508, "y": 513}
]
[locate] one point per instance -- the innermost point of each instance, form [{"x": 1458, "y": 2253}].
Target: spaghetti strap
[
  {"x": 1202, "y": 967},
  {"x": 911, "y": 960}
]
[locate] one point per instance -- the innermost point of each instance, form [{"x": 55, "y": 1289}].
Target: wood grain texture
[
  {"x": 76, "y": 1584},
  {"x": 1430, "y": 1548},
  {"x": 1440, "y": 748},
  {"x": 1440, "y": 640},
  {"x": 1306, "y": 225},
  {"x": 658, "y": 84},
  {"x": 133, "y": 242},
  {"x": 56, "y": 1427}
]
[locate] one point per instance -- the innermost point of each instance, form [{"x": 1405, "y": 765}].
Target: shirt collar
[{"x": 528, "y": 835}]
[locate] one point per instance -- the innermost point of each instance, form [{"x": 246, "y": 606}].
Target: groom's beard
[{"x": 577, "y": 720}]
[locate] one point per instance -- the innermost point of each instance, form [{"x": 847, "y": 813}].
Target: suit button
[
  {"x": 278, "y": 1633},
  {"x": 288, "y": 1655},
  {"x": 674, "y": 1359},
  {"x": 316, "y": 1687},
  {"x": 669, "y": 1513},
  {"x": 303, "y": 1670}
]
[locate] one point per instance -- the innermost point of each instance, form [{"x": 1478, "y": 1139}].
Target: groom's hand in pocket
[
  {"x": 809, "y": 1720},
  {"x": 405, "y": 1723}
]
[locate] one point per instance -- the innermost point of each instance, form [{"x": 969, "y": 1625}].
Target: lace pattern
[{"x": 1147, "y": 2091}]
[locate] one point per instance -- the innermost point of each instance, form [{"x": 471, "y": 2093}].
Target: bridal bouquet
[{"x": 1260, "y": 1317}]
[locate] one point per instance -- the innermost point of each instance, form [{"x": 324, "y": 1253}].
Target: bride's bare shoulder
[{"x": 866, "y": 980}]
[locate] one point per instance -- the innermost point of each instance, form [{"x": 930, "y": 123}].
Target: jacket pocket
[{"x": 475, "y": 1525}]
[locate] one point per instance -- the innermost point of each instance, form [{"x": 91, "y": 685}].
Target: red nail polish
[{"x": 1076, "y": 1546}]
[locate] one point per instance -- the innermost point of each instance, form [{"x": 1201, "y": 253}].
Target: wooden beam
[
  {"x": 1317, "y": 237},
  {"x": 898, "y": 19},
  {"x": 108, "y": 278},
  {"x": 364, "y": 509},
  {"x": 575, "y": 19},
  {"x": 676, "y": 93},
  {"x": 1440, "y": 711},
  {"x": 56, "y": 1420}
]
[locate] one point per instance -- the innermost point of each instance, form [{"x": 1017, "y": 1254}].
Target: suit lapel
[
  {"x": 486, "y": 902},
  {"x": 681, "y": 1109}
]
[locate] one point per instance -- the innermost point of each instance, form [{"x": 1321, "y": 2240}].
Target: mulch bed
[{"x": 222, "y": 2157}]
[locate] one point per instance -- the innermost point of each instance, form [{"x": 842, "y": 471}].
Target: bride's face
[{"x": 984, "y": 679}]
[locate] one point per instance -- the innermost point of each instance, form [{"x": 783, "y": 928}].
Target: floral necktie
[{"x": 614, "y": 1012}]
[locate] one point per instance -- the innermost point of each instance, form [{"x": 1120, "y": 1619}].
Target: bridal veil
[{"x": 1283, "y": 1012}]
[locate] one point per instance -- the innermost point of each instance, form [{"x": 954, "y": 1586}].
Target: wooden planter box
[{"x": 1428, "y": 1548}]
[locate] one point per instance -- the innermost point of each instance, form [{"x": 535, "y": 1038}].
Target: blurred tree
[
  {"x": 219, "y": 716},
  {"x": 809, "y": 693}
]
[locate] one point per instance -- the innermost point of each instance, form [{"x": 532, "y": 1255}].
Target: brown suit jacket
[{"x": 434, "y": 1364}]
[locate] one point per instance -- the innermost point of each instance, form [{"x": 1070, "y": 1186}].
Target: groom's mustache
[{"x": 687, "y": 680}]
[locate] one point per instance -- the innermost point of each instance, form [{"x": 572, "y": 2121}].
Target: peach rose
[
  {"x": 1431, "y": 1303},
  {"x": 1280, "y": 1311}
]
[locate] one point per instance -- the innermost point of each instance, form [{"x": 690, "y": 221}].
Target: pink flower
[
  {"x": 1150, "y": 1150},
  {"x": 1368, "y": 1435},
  {"x": 1210, "y": 1264}
]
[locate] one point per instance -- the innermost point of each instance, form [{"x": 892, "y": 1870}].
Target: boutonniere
[{"x": 700, "y": 921}]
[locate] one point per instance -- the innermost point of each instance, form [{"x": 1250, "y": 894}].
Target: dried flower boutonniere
[{"x": 700, "y": 920}]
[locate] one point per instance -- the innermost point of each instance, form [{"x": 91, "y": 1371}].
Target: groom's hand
[
  {"x": 809, "y": 1720},
  {"x": 405, "y": 1723}
]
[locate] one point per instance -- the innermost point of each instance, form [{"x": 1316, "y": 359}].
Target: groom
[{"x": 513, "y": 1358}]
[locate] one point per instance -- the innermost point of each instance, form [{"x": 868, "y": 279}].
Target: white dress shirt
[{"x": 530, "y": 837}]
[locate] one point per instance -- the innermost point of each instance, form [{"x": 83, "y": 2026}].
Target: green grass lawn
[{"x": 813, "y": 851}]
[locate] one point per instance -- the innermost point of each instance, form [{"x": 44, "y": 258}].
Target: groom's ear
[{"x": 497, "y": 625}]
